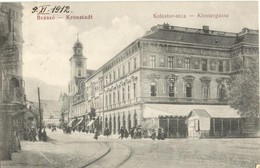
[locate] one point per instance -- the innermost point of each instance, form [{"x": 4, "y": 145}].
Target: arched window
[
  {"x": 171, "y": 89},
  {"x": 205, "y": 91},
  {"x": 79, "y": 72},
  {"x": 153, "y": 89},
  {"x": 222, "y": 92},
  {"x": 188, "y": 90}
]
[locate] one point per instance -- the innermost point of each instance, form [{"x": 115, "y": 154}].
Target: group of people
[{"x": 32, "y": 134}]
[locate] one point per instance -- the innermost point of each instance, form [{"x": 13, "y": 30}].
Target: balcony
[{"x": 17, "y": 95}]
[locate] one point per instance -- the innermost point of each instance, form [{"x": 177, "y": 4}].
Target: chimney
[{"x": 206, "y": 29}]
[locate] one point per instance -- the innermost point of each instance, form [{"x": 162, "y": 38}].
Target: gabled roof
[{"x": 201, "y": 113}]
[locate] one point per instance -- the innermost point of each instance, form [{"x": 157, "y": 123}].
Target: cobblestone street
[{"x": 81, "y": 150}]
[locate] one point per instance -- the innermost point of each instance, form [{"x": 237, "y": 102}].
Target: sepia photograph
[{"x": 137, "y": 84}]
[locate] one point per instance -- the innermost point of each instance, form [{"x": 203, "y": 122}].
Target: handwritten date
[{"x": 46, "y": 9}]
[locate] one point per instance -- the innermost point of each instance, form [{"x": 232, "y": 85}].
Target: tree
[{"x": 244, "y": 89}]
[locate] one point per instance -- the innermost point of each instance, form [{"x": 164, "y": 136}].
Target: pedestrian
[
  {"x": 132, "y": 133},
  {"x": 153, "y": 134},
  {"x": 122, "y": 133},
  {"x": 162, "y": 134},
  {"x": 106, "y": 132},
  {"x": 135, "y": 133},
  {"x": 139, "y": 133},
  {"x": 96, "y": 134},
  {"x": 126, "y": 133},
  {"x": 44, "y": 135},
  {"x": 33, "y": 134},
  {"x": 159, "y": 134}
]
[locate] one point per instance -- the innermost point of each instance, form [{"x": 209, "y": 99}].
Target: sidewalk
[{"x": 56, "y": 153}]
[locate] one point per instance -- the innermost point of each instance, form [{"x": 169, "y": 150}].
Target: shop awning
[
  {"x": 80, "y": 121},
  {"x": 70, "y": 123},
  {"x": 215, "y": 111}
]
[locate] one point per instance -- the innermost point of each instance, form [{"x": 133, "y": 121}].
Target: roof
[
  {"x": 90, "y": 72},
  {"x": 201, "y": 113},
  {"x": 196, "y": 38},
  {"x": 200, "y": 36},
  {"x": 214, "y": 111}
]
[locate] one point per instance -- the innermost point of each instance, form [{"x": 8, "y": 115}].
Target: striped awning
[
  {"x": 70, "y": 123},
  {"x": 80, "y": 121}
]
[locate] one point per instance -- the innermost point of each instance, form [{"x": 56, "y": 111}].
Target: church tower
[
  {"x": 77, "y": 67},
  {"x": 78, "y": 61}
]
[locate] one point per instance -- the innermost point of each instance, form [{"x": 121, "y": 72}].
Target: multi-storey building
[
  {"x": 168, "y": 72},
  {"x": 12, "y": 98}
]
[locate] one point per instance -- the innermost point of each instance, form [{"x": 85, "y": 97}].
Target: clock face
[
  {"x": 78, "y": 51},
  {"x": 79, "y": 63}
]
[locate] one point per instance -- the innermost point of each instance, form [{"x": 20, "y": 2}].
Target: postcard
[{"x": 129, "y": 84}]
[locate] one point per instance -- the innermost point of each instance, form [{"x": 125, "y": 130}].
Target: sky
[{"x": 114, "y": 25}]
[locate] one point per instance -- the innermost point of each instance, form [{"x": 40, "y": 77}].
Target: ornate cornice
[
  {"x": 189, "y": 78},
  {"x": 153, "y": 77}
]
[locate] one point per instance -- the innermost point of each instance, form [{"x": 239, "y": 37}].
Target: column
[
  {"x": 177, "y": 131},
  {"x": 112, "y": 125},
  {"x": 214, "y": 126},
  {"x": 168, "y": 126},
  {"x": 222, "y": 127},
  {"x": 132, "y": 120},
  {"x": 117, "y": 128},
  {"x": 126, "y": 121},
  {"x": 230, "y": 124}
]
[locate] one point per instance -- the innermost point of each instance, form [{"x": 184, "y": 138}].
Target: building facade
[
  {"x": 168, "y": 72},
  {"x": 12, "y": 97}
]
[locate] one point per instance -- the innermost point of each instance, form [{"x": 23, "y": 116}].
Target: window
[
  {"x": 171, "y": 89},
  {"x": 106, "y": 80},
  {"x": 188, "y": 90},
  {"x": 222, "y": 92},
  {"x": 187, "y": 63},
  {"x": 118, "y": 73},
  {"x": 118, "y": 96},
  {"x": 79, "y": 72},
  {"x": 110, "y": 77},
  {"x": 205, "y": 91},
  {"x": 220, "y": 66},
  {"x": 153, "y": 89},
  {"x": 170, "y": 62},
  {"x": 128, "y": 91},
  {"x": 152, "y": 61},
  {"x": 135, "y": 63},
  {"x": 204, "y": 65},
  {"x": 114, "y": 75},
  {"x": 123, "y": 69},
  {"x": 123, "y": 94},
  {"x": 129, "y": 66},
  {"x": 106, "y": 100},
  {"x": 110, "y": 98},
  {"x": 114, "y": 97},
  {"x": 134, "y": 90}
]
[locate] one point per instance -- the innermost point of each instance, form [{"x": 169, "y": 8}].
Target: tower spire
[{"x": 77, "y": 36}]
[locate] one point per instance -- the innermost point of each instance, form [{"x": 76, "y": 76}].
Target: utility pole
[{"x": 40, "y": 129}]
